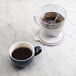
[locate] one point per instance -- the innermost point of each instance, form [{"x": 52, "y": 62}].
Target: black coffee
[
  {"x": 21, "y": 53},
  {"x": 51, "y": 18}
]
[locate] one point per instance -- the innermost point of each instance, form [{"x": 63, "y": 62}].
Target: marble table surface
[{"x": 17, "y": 24}]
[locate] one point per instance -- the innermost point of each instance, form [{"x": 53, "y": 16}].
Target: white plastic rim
[{"x": 53, "y": 40}]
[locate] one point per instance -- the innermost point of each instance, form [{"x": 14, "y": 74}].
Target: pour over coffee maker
[{"x": 51, "y": 19}]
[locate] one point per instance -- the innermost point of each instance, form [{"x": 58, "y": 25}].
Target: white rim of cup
[{"x": 17, "y": 43}]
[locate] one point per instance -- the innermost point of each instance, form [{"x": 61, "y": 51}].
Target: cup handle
[{"x": 38, "y": 50}]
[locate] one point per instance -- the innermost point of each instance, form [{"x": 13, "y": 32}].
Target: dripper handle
[{"x": 36, "y": 19}]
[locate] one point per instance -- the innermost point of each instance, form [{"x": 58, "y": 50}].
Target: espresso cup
[{"x": 22, "y": 53}]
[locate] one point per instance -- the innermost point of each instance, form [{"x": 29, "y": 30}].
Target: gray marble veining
[{"x": 17, "y": 24}]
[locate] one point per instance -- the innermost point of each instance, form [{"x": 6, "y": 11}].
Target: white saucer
[{"x": 47, "y": 40}]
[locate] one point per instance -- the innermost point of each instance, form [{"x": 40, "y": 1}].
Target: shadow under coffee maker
[{"x": 51, "y": 19}]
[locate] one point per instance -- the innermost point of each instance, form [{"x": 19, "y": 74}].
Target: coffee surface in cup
[
  {"x": 50, "y": 18},
  {"x": 21, "y": 53}
]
